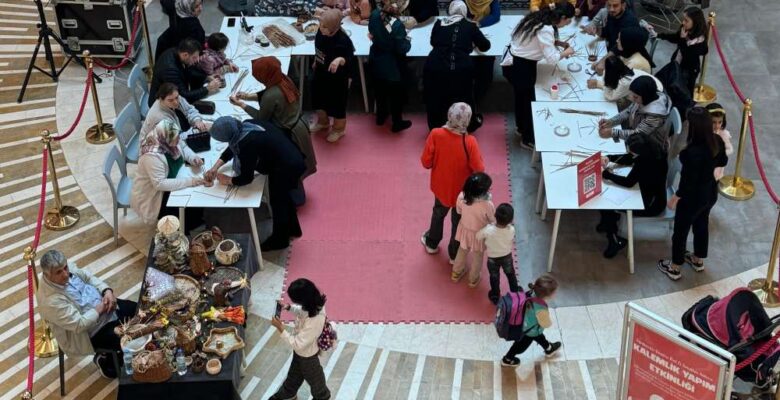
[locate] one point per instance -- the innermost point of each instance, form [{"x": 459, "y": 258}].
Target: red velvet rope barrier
[
  {"x": 126, "y": 57},
  {"x": 742, "y": 98},
  {"x": 763, "y": 349},
  {"x": 89, "y": 84}
]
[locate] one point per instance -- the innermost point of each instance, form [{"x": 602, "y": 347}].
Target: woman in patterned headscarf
[
  {"x": 187, "y": 25},
  {"x": 163, "y": 154},
  {"x": 452, "y": 155}
]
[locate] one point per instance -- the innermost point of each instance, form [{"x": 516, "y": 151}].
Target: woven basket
[
  {"x": 187, "y": 343},
  {"x": 151, "y": 367}
]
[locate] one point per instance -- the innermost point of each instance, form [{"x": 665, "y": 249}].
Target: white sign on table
[{"x": 557, "y": 130}]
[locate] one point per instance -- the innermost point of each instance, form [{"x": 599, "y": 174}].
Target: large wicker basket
[{"x": 151, "y": 367}]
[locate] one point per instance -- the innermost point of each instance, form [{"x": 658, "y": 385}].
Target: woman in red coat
[{"x": 452, "y": 155}]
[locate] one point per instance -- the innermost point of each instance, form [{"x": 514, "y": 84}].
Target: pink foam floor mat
[{"x": 367, "y": 206}]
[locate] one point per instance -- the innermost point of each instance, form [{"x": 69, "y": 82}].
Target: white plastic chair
[
  {"x": 139, "y": 86},
  {"x": 127, "y": 127},
  {"x": 120, "y": 194}
]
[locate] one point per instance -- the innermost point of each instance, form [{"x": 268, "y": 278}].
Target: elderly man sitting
[{"x": 81, "y": 310}]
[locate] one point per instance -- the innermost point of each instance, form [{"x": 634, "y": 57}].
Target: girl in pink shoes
[{"x": 476, "y": 212}]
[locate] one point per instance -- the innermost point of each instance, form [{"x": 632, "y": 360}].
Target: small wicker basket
[{"x": 151, "y": 367}]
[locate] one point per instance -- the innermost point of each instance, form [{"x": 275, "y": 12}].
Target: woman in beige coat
[{"x": 163, "y": 154}]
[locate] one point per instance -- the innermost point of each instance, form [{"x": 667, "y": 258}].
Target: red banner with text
[
  {"x": 661, "y": 369},
  {"x": 589, "y": 178}
]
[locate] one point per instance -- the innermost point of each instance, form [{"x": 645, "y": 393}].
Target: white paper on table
[{"x": 616, "y": 194}]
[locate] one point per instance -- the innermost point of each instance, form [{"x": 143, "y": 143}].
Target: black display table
[{"x": 192, "y": 386}]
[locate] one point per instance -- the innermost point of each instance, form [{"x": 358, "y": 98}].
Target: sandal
[{"x": 697, "y": 266}]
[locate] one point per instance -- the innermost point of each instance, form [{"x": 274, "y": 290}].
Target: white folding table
[{"x": 247, "y": 196}]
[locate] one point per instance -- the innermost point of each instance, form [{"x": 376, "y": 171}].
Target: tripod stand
[{"x": 44, "y": 34}]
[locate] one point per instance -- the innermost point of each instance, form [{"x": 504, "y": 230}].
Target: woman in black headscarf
[
  {"x": 184, "y": 24},
  {"x": 631, "y": 44},
  {"x": 263, "y": 147}
]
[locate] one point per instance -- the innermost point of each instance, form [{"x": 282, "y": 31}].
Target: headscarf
[
  {"x": 645, "y": 86},
  {"x": 268, "y": 71},
  {"x": 457, "y": 11},
  {"x": 231, "y": 130},
  {"x": 458, "y": 118},
  {"x": 479, "y": 8},
  {"x": 331, "y": 19},
  {"x": 633, "y": 39},
  {"x": 186, "y": 8},
  {"x": 161, "y": 138}
]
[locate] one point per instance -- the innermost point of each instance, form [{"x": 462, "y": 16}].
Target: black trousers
[
  {"x": 390, "y": 99},
  {"x": 520, "y": 346},
  {"x": 494, "y": 266},
  {"x": 105, "y": 338},
  {"x": 522, "y": 75},
  {"x": 692, "y": 214},
  {"x": 436, "y": 230},
  {"x": 285, "y": 215},
  {"x": 303, "y": 369},
  {"x": 193, "y": 216},
  {"x": 611, "y": 218},
  {"x": 483, "y": 78},
  {"x": 444, "y": 88}
]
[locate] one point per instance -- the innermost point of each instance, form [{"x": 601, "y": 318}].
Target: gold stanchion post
[
  {"x": 736, "y": 187},
  {"x": 60, "y": 217},
  {"x": 703, "y": 93},
  {"x": 766, "y": 288},
  {"x": 45, "y": 343},
  {"x": 99, "y": 133},
  {"x": 147, "y": 39}
]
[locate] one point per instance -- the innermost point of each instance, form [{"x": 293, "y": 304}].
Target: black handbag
[{"x": 199, "y": 141}]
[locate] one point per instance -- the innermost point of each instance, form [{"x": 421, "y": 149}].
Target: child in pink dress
[{"x": 476, "y": 211}]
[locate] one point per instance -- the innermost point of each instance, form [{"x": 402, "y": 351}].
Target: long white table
[
  {"x": 248, "y": 196},
  {"x": 574, "y": 131}
]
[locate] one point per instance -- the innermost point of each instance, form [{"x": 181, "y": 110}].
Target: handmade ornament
[
  {"x": 209, "y": 238},
  {"x": 228, "y": 338},
  {"x": 221, "y": 294},
  {"x": 235, "y": 314},
  {"x": 158, "y": 284},
  {"x": 199, "y": 260},
  {"x": 170, "y": 245},
  {"x": 232, "y": 275},
  {"x": 151, "y": 367},
  {"x": 228, "y": 252},
  {"x": 214, "y": 366}
]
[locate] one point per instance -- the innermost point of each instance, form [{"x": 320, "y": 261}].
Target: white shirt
[
  {"x": 624, "y": 83},
  {"x": 306, "y": 331},
  {"x": 540, "y": 46},
  {"x": 498, "y": 241}
]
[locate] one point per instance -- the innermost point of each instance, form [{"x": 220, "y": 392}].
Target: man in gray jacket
[{"x": 81, "y": 310}]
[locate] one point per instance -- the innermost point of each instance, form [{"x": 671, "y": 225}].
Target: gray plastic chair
[
  {"x": 139, "y": 86},
  {"x": 127, "y": 127},
  {"x": 120, "y": 193}
]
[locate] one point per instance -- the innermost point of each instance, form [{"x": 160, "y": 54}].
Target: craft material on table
[{"x": 584, "y": 112}]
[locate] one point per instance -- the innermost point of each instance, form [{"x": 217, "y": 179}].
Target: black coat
[
  {"x": 691, "y": 55},
  {"x": 453, "y": 44},
  {"x": 613, "y": 27},
  {"x": 697, "y": 182},
  {"x": 423, "y": 10},
  {"x": 270, "y": 152},
  {"x": 650, "y": 173},
  {"x": 168, "y": 68},
  {"x": 183, "y": 28}
]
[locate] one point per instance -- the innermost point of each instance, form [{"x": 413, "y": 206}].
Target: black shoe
[
  {"x": 105, "y": 365},
  {"x": 510, "y": 362},
  {"x": 616, "y": 243},
  {"x": 298, "y": 196},
  {"x": 381, "y": 119},
  {"x": 554, "y": 346},
  {"x": 274, "y": 245},
  {"x": 665, "y": 266},
  {"x": 400, "y": 126}
]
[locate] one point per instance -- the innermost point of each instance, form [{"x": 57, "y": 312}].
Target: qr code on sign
[{"x": 589, "y": 183}]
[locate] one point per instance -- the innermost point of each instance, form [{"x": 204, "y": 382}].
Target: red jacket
[{"x": 445, "y": 155}]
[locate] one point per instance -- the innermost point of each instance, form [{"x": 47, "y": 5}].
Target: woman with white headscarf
[
  {"x": 163, "y": 154},
  {"x": 448, "y": 76},
  {"x": 187, "y": 25},
  {"x": 452, "y": 155}
]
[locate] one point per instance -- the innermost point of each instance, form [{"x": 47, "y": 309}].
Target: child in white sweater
[
  {"x": 718, "y": 115},
  {"x": 499, "y": 239}
]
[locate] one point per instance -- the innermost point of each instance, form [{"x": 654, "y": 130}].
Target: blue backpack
[{"x": 510, "y": 314}]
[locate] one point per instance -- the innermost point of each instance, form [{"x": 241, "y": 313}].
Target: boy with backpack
[
  {"x": 499, "y": 237},
  {"x": 523, "y": 317}
]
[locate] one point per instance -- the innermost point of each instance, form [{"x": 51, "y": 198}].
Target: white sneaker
[
  {"x": 429, "y": 250},
  {"x": 334, "y": 136},
  {"x": 315, "y": 127}
]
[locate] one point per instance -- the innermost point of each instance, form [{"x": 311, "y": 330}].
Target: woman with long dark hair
[
  {"x": 631, "y": 44},
  {"x": 308, "y": 305},
  {"x": 534, "y": 39},
  {"x": 617, "y": 80},
  {"x": 696, "y": 194},
  {"x": 691, "y": 41}
]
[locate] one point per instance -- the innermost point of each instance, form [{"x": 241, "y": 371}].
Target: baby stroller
[{"x": 739, "y": 324}]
